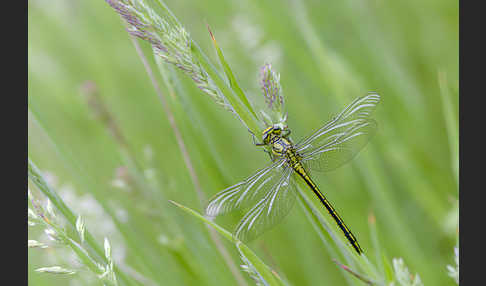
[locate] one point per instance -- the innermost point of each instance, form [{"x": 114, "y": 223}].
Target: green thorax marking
[{"x": 277, "y": 139}]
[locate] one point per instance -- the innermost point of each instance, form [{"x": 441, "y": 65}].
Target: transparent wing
[
  {"x": 342, "y": 138},
  {"x": 247, "y": 192},
  {"x": 270, "y": 210}
]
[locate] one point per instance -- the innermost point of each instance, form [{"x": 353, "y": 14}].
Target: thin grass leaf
[
  {"x": 80, "y": 227},
  {"x": 241, "y": 111},
  {"x": 387, "y": 268},
  {"x": 107, "y": 247},
  {"x": 188, "y": 163},
  {"x": 320, "y": 228},
  {"x": 168, "y": 39},
  {"x": 265, "y": 271},
  {"x": 55, "y": 270},
  {"x": 186, "y": 109},
  {"x": 318, "y": 220},
  {"x": 334, "y": 70},
  {"x": 230, "y": 76},
  {"x": 249, "y": 258},
  {"x": 453, "y": 271},
  {"x": 376, "y": 244},
  {"x": 85, "y": 257},
  {"x": 354, "y": 273},
  {"x": 37, "y": 179},
  {"x": 35, "y": 244},
  {"x": 450, "y": 117},
  {"x": 403, "y": 275},
  {"x": 370, "y": 270}
]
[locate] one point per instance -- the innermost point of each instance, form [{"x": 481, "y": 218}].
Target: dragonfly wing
[
  {"x": 360, "y": 108},
  {"x": 342, "y": 138},
  {"x": 269, "y": 210},
  {"x": 341, "y": 149},
  {"x": 247, "y": 192}
]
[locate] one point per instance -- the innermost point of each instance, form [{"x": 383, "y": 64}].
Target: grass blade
[
  {"x": 265, "y": 271},
  {"x": 38, "y": 180},
  {"x": 240, "y": 110},
  {"x": 230, "y": 76}
]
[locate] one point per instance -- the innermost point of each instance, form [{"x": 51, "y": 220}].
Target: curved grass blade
[
  {"x": 246, "y": 116},
  {"x": 265, "y": 272},
  {"x": 354, "y": 273},
  {"x": 38, "y": 180},
  {"x": 230, "y": 76}
]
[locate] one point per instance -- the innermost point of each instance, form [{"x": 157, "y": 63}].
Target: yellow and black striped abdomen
[{"x": 299, "y": 169}]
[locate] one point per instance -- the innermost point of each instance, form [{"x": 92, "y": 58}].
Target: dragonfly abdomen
[{"x": 299, "y": 169}]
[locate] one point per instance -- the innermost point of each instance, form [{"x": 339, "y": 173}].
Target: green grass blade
[
  {"x": 38, "y": 180},
  {"x": 265, "y": 271},
  {"x": 322, "y": 226},
  {"x": 450, "y": 117},
  {"x": 230, "y": 76},
  {"x": 246, "y": 116},
  {"x": 354, "y": 273},
  {"x": 376, "y": 243}
]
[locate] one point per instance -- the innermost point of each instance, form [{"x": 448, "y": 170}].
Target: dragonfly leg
[
  {"x": 255, "y": 142},
  {"x": 272, "y": 157}
]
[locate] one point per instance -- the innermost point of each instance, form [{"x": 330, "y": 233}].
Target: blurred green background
[{"x": 328, "y": 53}]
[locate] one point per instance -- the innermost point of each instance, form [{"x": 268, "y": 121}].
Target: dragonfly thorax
[
  {"x": 281, "y": 146},
  {"x": 273, "y": 133},
  {"x": 277, "y": 138}
]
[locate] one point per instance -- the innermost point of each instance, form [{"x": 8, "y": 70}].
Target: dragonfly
[{"x": 270, "y": 193}]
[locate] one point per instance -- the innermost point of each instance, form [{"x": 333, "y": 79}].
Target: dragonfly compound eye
[{"x": 266, "y": 133}]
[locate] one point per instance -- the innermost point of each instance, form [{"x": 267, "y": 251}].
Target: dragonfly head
[{"x": 276, "y": 130}]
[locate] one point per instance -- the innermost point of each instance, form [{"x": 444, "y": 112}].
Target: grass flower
[
  {"x": 55, "y": 270},
  {"x": 80, "y": 227},
  {"x": 403, "y": 276},
  {"x": 453, "y": 271},
  {"x": 169, "y": 40},
  {"x": 35, "y": 244},
  {"x": 274, "y": 113},
  {"x": 249, "y": 268},
  {"x": 46, "y": 215}
]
